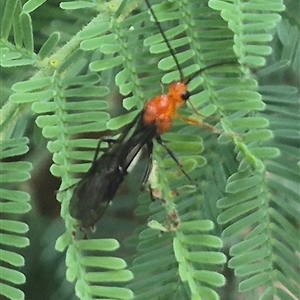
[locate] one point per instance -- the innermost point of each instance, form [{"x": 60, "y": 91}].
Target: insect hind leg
[
  {"x": 149, "y": 165},
  {"x": 162, "y": 143},
  {"x": 107, "y": 139}
]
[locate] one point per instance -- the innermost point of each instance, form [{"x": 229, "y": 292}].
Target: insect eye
[{"x": 185, "y": 95}]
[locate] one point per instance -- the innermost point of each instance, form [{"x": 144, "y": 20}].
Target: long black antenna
[
  {"x": 219, "y": 64},
  {"x": 166, "y": 41},
  {"x": 173, "y": 53}
]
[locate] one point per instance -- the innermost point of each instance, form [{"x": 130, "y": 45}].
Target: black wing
[
  {"x": 98, "y": 186},
  {"x": 95, "y": 190}
]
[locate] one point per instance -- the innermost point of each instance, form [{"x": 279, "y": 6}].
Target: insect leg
[
  {"x": 207, "y": 126},
  {"x": 200, "y": 124},
  {"x": 107, "y": 139},
  {"x": 149, "y": 165},
  {"x": 162, "y": 143}
]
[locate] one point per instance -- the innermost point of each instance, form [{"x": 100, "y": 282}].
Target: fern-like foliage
[
  {"x": 13, "y": 203},
  {"x": 246, "y": 197}
]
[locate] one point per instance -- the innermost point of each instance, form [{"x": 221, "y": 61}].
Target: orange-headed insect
[{"x": 98, "y": 186}]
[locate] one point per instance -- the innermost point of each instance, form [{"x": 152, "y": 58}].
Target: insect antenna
[
  {"x": 219, "y": 64},
  {"x": 173, "y": 53}
]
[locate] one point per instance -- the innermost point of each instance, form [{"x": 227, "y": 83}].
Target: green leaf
[
  {"x": 255, "y": 281},
  {"x": 206, "y": 257},
  {"x": 7, "y": 18},
  {"x": 209, "y": 277},
  {"x": 13, "y": 240},
  {"x": 91, "y": 79},
  {"x": 266, "y": 152},
  {"x": 168, "y": 63},
  {"x": 12, "y": 258},
  {"x": 27, "y": 31},
  {"x": 250, "y": 105},
  {"x": 31, "y": 97},
  {"x": 12, "y": 276},
  {"x": 237, "y": 185},
  {"x": 239, "y": 210},
  {"x": 32, "y": 5},
  {"x": 76, "y": 5},
  {"x": 236, "y": 198},
  {"x": 88, "y": 105},
  {"x": 98, "y": 29},
  {"x": 103, "y": 245},
  {"x": 31, "y": 85},
  {"x": 112, "y": 292},
  {"x": 109, "y": 276},
  {"x": 106, "y": 64},
  {"x": 243, "y": 223},
  {"x": 248, "y": 245},
  {"x": 17, "y": 62},
  {"x": 13, "y": 226},
  {"x": 71, "y": 59},
  {"x": 49, "y": 46},
  {"x": 13, "y": 208},
  {"x": 11, "y": 292},
  {"x": 94, "y": 43},
  {"x": 249, "y": 257},
  {"x": 201, "y": 225},
  {"x": 250, "y": 122},
  {"x": 104, "y": 262},
  {"x": 87, "y": 92},
  {"x": 202, "y": 239},
  {"x": 250, "y": 269}
]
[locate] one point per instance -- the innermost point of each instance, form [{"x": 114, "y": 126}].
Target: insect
[{"x": 98, "y": 186}]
